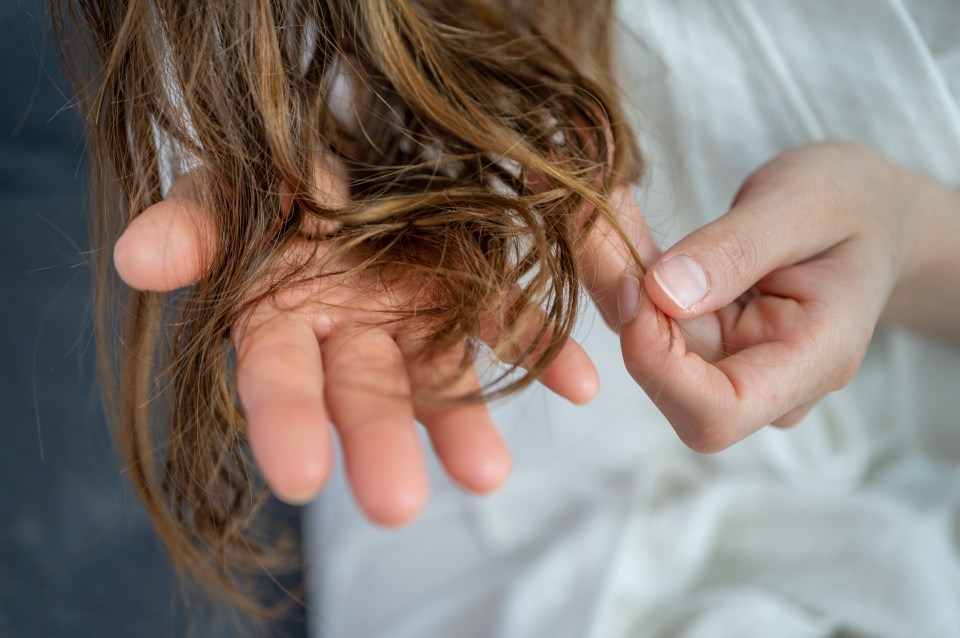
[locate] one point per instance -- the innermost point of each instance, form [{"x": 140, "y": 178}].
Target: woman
[{"x": 777, "y": 301}]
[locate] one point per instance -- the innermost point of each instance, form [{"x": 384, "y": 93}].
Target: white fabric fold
[{"x": 848, "y": 524}]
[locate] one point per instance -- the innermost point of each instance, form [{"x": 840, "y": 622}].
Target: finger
[
  {"x": 280, "y": 384},
  {"x": 368, "y": 395},
  {"x": 767, "y": 228},
  {"x": 329, "y": 189},
  {"x": 172, "y": 243},
  {"x": 794, "y": 416},
  {"x": 464, "y": 436},
  {"x": 604, "y": 256},
  {"x": 711, "y": 406},
  {"x": 169, "y": 245},
  {"x": 571, "y": 374}
]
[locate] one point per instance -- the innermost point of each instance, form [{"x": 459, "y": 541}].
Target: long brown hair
[{"x": 484, "y": 141}]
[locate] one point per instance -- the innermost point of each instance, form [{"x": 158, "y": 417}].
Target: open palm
[{"x": 338, "y": 350}]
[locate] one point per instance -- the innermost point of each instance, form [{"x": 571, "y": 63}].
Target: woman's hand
[
  {"x": 321, "y": 352},
  {"x": 753, "y": 318}
]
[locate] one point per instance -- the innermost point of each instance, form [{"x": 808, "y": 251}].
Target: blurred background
[{"x": 78, "y": 556}]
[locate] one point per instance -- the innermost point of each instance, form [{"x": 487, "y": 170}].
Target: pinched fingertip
[{"x": 628, "y": 297}]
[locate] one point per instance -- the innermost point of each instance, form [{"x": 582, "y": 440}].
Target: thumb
[
  {"x": 169, "y": 245},
  {"x": 717, "y": 263}
]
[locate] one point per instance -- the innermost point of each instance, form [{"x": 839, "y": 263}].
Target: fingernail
[
  {"x": 628, "y": 297},
  {"x": 683, "y": 280}
]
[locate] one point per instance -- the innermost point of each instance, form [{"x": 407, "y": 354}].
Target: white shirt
[{"x": 609, "y": 526}]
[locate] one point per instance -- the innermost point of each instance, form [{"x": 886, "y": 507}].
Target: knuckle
[
  {"x": 739, "y": 253},
  {"x": 847, "y": 369},
  {"x": 848, "y": 348},
  {"x": 707, "y": 436},
  {"x": 842, "y": 376},
  {"x": 793, "y": 417},
  {"x": 803, "y": 179}
]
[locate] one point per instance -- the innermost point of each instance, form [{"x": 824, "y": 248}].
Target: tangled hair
[{"x": 481, "y": 142}]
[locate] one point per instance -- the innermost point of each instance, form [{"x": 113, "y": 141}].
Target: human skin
[
  {"x": 756, "y": 316},
  {"x": 320, "y": 352},
  {"x": 820, "y": 244}
]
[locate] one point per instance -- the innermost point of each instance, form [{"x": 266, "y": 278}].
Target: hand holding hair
[
  {"x": 320, "y": 353},
  {"x": 444, "y": 241},
  {"x": 753, "y": 318}
]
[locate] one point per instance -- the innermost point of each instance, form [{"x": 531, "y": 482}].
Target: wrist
[{"x": 926, "y": 295}]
